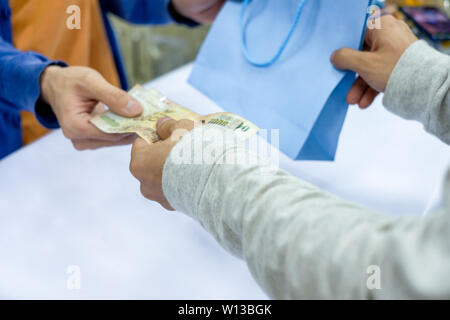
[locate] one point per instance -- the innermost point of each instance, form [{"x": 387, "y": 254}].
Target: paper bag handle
[{"x": 262, "y": 64}]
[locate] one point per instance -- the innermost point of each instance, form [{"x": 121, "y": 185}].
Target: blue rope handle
[{"x": 283, "y": 45}]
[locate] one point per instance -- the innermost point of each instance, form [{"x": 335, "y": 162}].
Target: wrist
[
  {"x": 410, "y": 83},
  {"x": 47, "y": 81}
]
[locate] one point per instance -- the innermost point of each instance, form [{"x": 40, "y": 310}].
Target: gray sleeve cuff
[
  {"x": 191, "y": 162},
  {"x": 414, "y": 82}
]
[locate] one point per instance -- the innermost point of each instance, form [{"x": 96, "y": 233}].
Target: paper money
[{"x": 157, "y": 106}]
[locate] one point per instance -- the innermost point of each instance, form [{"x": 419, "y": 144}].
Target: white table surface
[{"x": 60, "y": 207}]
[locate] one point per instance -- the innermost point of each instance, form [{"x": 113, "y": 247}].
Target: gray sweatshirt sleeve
[
  {"x": 418, "y": 89},
  {"x": 299, "y": 241}
]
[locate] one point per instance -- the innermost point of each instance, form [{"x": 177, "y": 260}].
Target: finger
[
  {"x": 368, "y": 98},
  {"x": 99, "y": 109},
  {"x": 138, "y": 145},
  {"x": 154, "y": 194},
  {"x": 141, "y": 151},
  {"x": 90, "y": 132},
  {"x": 369, "y": 37},
  {"x": 357, "y": 90},
  {"x": 349, "y": 59},
  {"x": 90, "y": 144},
  {"x": 165, "y": 126},
  {"x": 136, "y": 158},
  {"x": 166, "y": 205},
  {"x": 116, "y": 99},
  {"x": 82, "y": 129}
]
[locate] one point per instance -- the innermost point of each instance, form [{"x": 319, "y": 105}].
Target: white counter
[{"x": 60, "y": 207}]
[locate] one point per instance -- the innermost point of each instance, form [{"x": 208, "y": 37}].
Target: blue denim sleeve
[{"x": 20, "y": 74}]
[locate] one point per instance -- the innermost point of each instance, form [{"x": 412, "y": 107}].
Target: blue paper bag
[{"x": 269, "y": 61}]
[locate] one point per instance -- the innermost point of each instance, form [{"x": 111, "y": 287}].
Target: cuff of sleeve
[
  {"x": 22, "y": 71},
  {"x": 191, "y": 162},
  {"x": 180, "y": 19},
  {"x": 43, "y": 111},
  {"x": 407, "y": 91}
]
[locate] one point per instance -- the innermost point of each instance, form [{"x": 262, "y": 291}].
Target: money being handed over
[{"x": 157, "y": 106}]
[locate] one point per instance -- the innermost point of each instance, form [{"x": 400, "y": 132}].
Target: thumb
[
  {"x": 116, "y": 99},
  {"x": 165, "y": 127},
  {"x": 349, "y": 59}
]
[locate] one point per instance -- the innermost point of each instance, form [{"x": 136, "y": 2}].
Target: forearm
[
  {"x": 284, "y": 228},
  {"x": 418, "y": 89},
  {"x": 301, "y": 242},
  {"x": 21, "y": 77}
]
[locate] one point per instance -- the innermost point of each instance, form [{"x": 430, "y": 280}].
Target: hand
[
  {"x": 202, "y": 11},
  {"x": 384, "y": 49},
  {"x": 147, "y": 161},
  {"x": 74, "y": 93}
]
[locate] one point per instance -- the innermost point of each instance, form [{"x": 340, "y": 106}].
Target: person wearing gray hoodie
[{"x": 301, "y": 242}]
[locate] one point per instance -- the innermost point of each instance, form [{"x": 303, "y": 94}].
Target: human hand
[
  {"x": 202, "y": 11},
  {"x": 384, "y": 48},
  {"x": 147, "y": 161},
  {"x": 75, "y": 95}
]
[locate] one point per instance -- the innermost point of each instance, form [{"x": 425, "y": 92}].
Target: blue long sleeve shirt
[{"x": 20, "y": 71}]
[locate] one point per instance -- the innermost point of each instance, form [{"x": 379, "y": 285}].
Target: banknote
[{"x": 156, "y": 106}]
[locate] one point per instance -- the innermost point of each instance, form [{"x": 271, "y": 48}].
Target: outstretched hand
[
  {"x": 76, "y": 94},
  {"x": 384, "y": 48}
]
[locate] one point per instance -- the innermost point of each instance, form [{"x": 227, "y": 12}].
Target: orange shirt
[{"x": 41, "y": 26}]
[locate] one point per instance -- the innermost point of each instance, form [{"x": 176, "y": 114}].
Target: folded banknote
[{"x": 157, "y": 106}]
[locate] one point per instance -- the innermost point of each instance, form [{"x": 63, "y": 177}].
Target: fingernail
[
  {"x": 161, "y": 121},
  {"x": 133, "y": 107}
]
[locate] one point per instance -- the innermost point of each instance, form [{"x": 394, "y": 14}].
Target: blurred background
[
  {"x": 429, "y": 19},
  {"x": 149, "y": 52}
]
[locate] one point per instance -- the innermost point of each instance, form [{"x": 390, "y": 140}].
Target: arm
[
  {"x": 61, "y": 96},
  {"x": 20, "y": 74},
  {"x": 414, "y": 77},
  {"x": 139, "y": 11},
  {"x": 301, "y": 242},
  {"x": 418, "y": 89}
]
